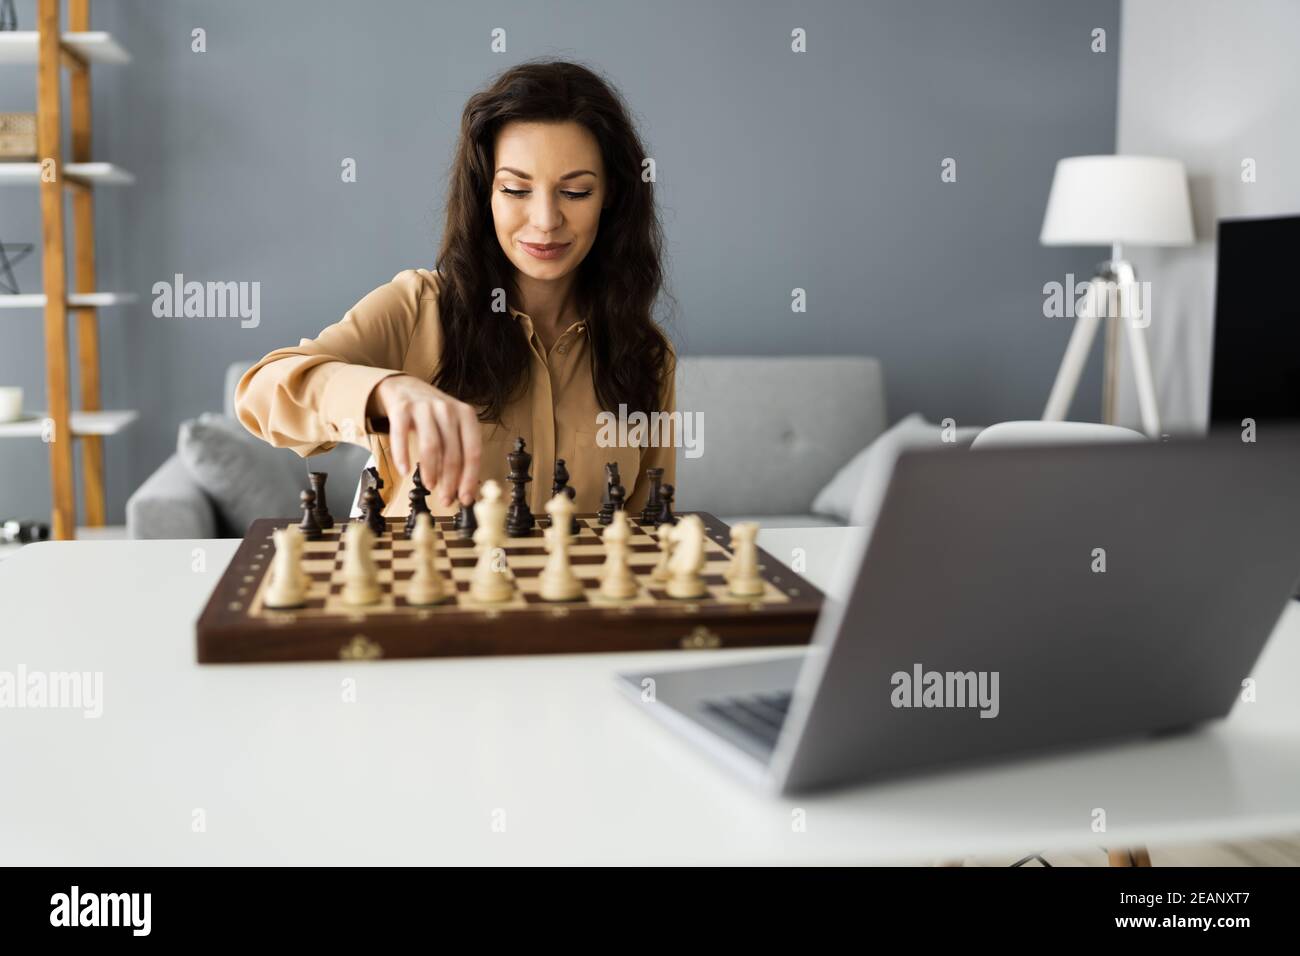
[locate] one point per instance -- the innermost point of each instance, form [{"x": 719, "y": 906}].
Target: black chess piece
[
  {"x": 323, "y": 517},
  {"x": 617, "y": 496},
  {"x": 419, "y": 506},
  {"x": 606, "y": 514},
  {"x": 373, "y": 480},
  {"x": 666, "y": 515},
  {"x": 560, "y": 480},
  {"x": 574, "y": 526},
  {"x": 650, "y": 513},
  {"x": 309, "y": 526},
  {"x": 466, "y": 523},
  {"x": 519, "y": 519},
  {"x": 372, "y": 511}
]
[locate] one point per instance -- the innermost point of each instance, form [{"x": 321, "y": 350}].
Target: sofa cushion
[
  {"x": 855, "y": 493},
  {"x": 774, "y": 429},
  {"x": 243, "y": 475}
]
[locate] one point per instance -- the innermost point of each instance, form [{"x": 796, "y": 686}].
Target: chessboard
[{"x": 238, "y": 626}]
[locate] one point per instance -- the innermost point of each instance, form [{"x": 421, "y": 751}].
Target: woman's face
[{"x": 547, "y": 194}]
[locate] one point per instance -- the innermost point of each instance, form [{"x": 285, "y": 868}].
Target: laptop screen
[{"x": 1256, "y": 322}]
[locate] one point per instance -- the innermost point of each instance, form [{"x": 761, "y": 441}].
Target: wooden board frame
[{"x": 227, "y": 633}]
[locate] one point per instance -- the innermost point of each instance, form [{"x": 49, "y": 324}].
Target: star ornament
[{"x": 12, "y": 253}]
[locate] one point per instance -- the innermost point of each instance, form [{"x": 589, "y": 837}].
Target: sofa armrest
[{"x": 170, "y": 504}]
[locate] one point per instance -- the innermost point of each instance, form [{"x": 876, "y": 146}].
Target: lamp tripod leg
[
  {"x": 1146, "y": 389},
  {"x": 1067, "y": 376}
]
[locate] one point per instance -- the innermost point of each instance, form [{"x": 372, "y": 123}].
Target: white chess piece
[
  {"x": 687, "y": 561},
  {"x": 616, "y": 579},
  {"x": 557, "y": 581},
  {"x": 427, "y": 585},
  {"x": 360, "y": 575},
  {"x": 664, "y": 537},
  {"x": 289, "y": 582},
  {"x": 743, "y": 579},
  {"x": 491, "y": 582}
]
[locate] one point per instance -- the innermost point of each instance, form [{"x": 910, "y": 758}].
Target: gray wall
[
  {"x": 1211, "y": 84},
  {"x": 776, "y": 170}
]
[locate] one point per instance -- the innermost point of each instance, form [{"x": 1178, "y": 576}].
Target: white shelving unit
[
  {"x": 98, "y": 174},
  {"x": 83, "y": 424},
  {"x": 21, "y": 46},
  {"x": 75, "y": 300}
]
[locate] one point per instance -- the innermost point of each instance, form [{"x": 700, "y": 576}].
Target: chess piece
[
  {"x": 416, "y": 496},
  {"x": 289, "y": 582},
  {"x": 519, "y": 520},
  {"x": 687, "y": 561},
  {"x": 309, "y": 526},
  {"x": 617, "y": 581},
  {"x": 664, "y": 538},
  {"x": 557, "y": 581},
  {"x": 606, "y": 512},
  {"x": 617, "y": 499},
  {"x": 650, "y": 513},
  {"x": 491, "y": 582},
  {"x": 465, "y": 522},
  {"x": 743, "y": 579},
  {"x": 324, "y": 519},
  {"x": 666, "y": 515},
  {"x": 372, "y": 512},
  {"x": 427, "y": 585},
  {"x": 574, "y": 527},
  {"x": 559, "y": 479},
  {"x": 370, "y": 479},
  {"x": 360, "y": 575}
]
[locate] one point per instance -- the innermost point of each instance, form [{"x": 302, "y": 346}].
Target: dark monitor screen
[{"x": 1257, "y": 322}]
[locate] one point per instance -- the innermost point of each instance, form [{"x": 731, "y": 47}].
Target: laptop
[{"x": 1014, "y": 600}]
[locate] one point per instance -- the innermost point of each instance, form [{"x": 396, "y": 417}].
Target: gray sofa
[{"x": 775, "y": 431}]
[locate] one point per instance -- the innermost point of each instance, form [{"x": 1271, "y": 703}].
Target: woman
[{"x": 536, "y": 321}]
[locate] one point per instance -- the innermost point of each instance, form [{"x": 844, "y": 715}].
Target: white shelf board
[
  {"x": 29, "y": 174},
  {"x": 22, "y": 46},
  {"x": 83, "y": 423},
  {"x": 76, "y": 300}
]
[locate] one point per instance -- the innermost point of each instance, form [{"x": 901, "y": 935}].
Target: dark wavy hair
[{"x": 485, "y": 359}]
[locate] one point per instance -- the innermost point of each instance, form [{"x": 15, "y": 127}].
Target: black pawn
[
  {"x": 650, "y": 513},
  {"x": 574, "y": 527},
  {"x": 418, "y": 505},
  {"x": 519, "y": 519},
  {"x": 372, "y": 511},
  {"x": 606, "y": 514},
  {"x": 617, "y": 496},
  {"x": 323, "y": 516},
  {"x": 309, "y": 527},
  {"x": 666, "y": 515},
  {"x": 466, "y": 523}
]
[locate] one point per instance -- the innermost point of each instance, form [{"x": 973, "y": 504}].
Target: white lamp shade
[{"x": 1100, "y": 200}]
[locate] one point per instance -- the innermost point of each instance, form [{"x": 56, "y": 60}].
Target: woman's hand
[{"x": 443, "y": 431}]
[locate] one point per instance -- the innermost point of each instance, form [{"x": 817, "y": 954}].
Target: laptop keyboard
[{"x": 758, "y": 715}]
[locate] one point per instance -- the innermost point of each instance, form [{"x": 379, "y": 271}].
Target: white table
[{"x": 416, "y": 769}]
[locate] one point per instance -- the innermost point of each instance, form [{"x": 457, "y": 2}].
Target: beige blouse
[{"x": 313, "y": 396}]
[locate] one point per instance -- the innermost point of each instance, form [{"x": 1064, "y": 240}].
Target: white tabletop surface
[{"x": 434, "y": 755}]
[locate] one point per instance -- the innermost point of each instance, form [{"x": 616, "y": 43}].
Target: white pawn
[
  {"x": 558, "y": 582},
  {"x": 664, "y": 536},
  {"x": 427, "y": 584},
  {"x": 491, "y": 582},
  {"x": 687, "y": 561},
  {"x": 289, "y": 582},
  {"x": 743, "y": 579},
  {"x": 617, "y": 580},
  {"x": 360, "y": 575}
]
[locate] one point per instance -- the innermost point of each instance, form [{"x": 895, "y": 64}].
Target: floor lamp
[{"x": 1113, "y": 201}]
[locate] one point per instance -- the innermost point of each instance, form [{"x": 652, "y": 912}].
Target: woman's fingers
[
  {"x": 472, "y": 452},
  {"x": 449, "y": 427},
  {"x": 429, "y": 444},
  {"x": 399, "y": 429}
]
